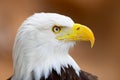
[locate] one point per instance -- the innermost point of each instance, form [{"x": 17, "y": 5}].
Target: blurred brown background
[{"x": 102, "y": 16}]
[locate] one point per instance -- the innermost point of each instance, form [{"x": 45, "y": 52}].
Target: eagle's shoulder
[
  {"x": 69, "y": 74},
  {"x": 87, "y": 76}
]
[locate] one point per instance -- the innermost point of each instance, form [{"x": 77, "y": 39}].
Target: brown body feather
[{"x": 68, "y": 74}]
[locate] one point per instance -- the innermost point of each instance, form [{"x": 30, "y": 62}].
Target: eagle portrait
[{"x": 41, "y": 48}]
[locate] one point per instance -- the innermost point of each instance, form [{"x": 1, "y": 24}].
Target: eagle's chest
[{"x": 67, "y": 73}]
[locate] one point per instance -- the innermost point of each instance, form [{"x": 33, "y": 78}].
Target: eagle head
[{"x": 43, "y": 42}]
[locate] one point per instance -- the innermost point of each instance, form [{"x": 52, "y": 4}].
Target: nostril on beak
[{"x": 78, "y": 28}]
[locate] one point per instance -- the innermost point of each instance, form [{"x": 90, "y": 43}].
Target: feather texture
[{"x": 67, "y": 74}]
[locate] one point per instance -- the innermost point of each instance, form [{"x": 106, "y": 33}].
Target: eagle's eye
[{"x": 56, "y": 29}]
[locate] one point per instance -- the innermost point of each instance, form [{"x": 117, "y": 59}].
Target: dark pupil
[{"x": 57, "y": 29}]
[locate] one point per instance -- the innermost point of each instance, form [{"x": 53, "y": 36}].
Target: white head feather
[{"x": 37, "y": 50}]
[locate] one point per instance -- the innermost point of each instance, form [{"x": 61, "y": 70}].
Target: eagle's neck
[
  {"x": 43, "y": 66},
  {"x": 57, "y": 63}
]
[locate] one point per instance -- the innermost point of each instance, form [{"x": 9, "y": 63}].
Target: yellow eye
[{"x": 56, "y": 29}]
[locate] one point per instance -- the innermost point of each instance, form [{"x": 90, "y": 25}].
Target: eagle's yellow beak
[{"x": 78, "y": 33}]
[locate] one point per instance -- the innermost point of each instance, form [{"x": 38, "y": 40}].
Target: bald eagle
[{"x": 41, "y": 48}]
